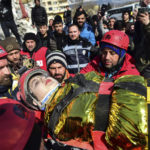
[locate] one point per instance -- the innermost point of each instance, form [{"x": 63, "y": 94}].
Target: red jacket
[
  {"x": 39, "y": 56},
  {"x": 128, "y": 67}
]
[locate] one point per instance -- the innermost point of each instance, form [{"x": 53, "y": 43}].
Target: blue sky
[{"x": 103, "y": 1}]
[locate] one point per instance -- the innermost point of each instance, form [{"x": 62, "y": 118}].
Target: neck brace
[{"x": 46, "y": 98}]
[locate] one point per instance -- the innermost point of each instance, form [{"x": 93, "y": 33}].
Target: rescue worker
[
  {"x": 18, "y": 129},
  {"x": 57, "y": 66},
  {"x": 6, "y": 83},
  {"x": 33, "y": 49},
  {"x": 113, "y": 61},
  {"x": 15, "y": 59},
  {"x": 70, "y": 111}
]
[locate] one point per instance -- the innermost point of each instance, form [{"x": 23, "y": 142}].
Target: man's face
[
  {"x": 67, "y": 8},
  {"x": 50, "y": 22},
  {"x": 74, "y": 33},
  {"x": 111, "y": 23},
  {"x": 37, "y": 2},
  {"x": 81, "y": 20},
  {"x": 43, "y": 29},
  {"x": 126, "y": 16},
  {"x": 109, "y": 58},
  {"x": 30, "y": 44},
  {"x": 14, "y": 56},
  {"x": 57, "y": 71},
  {"x": 146, "y": 2},
  {"x": 40, "y": 85},
  {"x": 59, "y": 28},
  {"x": 5, "y": 77}
]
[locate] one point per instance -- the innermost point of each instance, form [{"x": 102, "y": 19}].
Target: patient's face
[{"x": 40, "y": 86}]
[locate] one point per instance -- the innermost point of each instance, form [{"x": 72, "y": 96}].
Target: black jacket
[
  {"x": 67, "y": 17},
  {"x": 38, "y": 15},
  {"x": 59, "y": 39},
  {"x": 6, "y": 10},
  {"x": 45, "y": 41}
]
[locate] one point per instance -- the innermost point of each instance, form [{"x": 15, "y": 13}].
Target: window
[
  {"x": 50, "y": 8},
  {"x": 54, "y": 3}
]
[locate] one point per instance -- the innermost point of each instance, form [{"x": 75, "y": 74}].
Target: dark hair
[
  {"x": 72, "y": 26},
  {"x": 95, "y": 18},
  {"x": 36, "y": 0},
  {"x": 79, "y": 13},
  {"x": 42, "y": 24},
  {"x": 119, "y": 25},
  {"x": 126, "y": 11},
  {"x": 113, "y": 18},
  {"x": 57, "y": 20}
]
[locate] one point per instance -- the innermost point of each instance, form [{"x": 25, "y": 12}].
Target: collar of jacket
[
  {"x": 59, "y": 34},
  {"x": 73, "y": 42}
]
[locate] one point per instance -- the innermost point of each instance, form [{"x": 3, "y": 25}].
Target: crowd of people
[{"x": 79, "y": 83}]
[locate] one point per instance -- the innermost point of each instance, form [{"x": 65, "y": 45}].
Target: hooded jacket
[
  {"x": 87, "y": 32},
  {"x": 128, "y": 67}
]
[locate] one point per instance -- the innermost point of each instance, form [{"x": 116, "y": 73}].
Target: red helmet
[
  {"x": 16, "y": 124},
  {"x": 25, "y": 94},
  {"x": 3, "y": 53},
  {"x": 116, "y": 38}
]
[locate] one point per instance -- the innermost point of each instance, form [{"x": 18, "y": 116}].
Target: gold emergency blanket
[
  {"x": 128, "y": 127},
  {"x": 77, "y": 120}
]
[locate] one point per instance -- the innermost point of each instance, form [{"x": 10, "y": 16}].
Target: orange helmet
[
  {"x": 116, "y": 38},
  {"x": 25, "y": 94}
]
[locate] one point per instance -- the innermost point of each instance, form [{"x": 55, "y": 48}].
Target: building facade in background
[{"x": 55, "y": 7}]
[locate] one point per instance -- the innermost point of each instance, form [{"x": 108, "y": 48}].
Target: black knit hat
[
  {"x": 56, "y": 56},
  {"x": 30, "y": 36}
]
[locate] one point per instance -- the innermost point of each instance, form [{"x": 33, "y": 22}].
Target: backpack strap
[{"x": 103, "y": 105}]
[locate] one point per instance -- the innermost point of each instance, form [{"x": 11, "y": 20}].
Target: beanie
[
  {"x": 30, "y": 36},
  {"x": 117, "y": 50},
  {"x": 10, "y": 44},
  {"x": 56, "y": 56}
]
